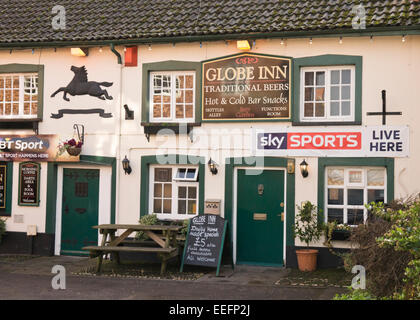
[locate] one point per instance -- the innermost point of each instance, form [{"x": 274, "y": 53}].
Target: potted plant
[
  {"x": 72, "y": 147},
  {"x": 338, "y": 231},
  {"x": 307, "y": 229}
]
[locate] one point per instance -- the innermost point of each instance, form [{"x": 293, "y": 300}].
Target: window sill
[
  {"x": 326, "y": 123},
  {"x": 153, "y": 128}
]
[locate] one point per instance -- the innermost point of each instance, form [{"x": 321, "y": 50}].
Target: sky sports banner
[{"x": 361, "y": 142}]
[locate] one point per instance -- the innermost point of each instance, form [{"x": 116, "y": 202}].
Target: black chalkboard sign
[
  {"x": 29, "y": 184},
  {"x": 204, "y": 242}
]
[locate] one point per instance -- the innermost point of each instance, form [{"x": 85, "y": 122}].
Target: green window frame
[
  {"x": 328, "y": 60},
  {"x": 323, "y": 163},
  {"x": 27, "y": 68},
  {"x": 169, "y": 66},
  {"x": 7, "y": 211},
  {"x": 173, "y": 159}
]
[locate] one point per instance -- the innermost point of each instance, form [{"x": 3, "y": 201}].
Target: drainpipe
[{"x": 118, "y": 133}]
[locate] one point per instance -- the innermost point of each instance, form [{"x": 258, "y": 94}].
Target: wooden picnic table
[{"x": 165, "y": 236}]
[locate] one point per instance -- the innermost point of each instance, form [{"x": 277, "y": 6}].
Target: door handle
[{"x": 281, "y": 215}]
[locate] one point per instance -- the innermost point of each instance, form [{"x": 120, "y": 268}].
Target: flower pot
[
  {"x": 307, "y": 259},
  {"x": 74, "y": 151}
]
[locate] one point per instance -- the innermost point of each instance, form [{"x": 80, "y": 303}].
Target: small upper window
[
  {"x": 328, "y": 93},
  {"x": 172, "y": 96},
  {"x": 186, "y": 174},
  {"x": 18, "y": 95}
]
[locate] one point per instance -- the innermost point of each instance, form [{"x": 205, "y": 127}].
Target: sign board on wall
[
  {"x": 29, "y": 184},
  {"x": 246, "y": 87},
  {"x": 3, "y": 169},
  {"x": 33, "y": 148},
  {"x": 355, "y": 142}
]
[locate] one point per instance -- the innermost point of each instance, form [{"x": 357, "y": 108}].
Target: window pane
[
  {"x": 355, "y": 176},
  {"x": 180, "y": 82},
  {"x": 188, "y": 111},
  {"x": 157, "y": 190},
  {"x": 355, "y": 197},
  {"x": 180, "y": 174},
  {"x": 345, "y": 108},
  {"x": 335, "y": 77},
  {"x": 179, "y": 111},
  {"x": 319, "y": 110},
  {"x": 335, "y": 215},
  {"x": 166, "y": 111},
  {"x": 163, "y": 174},
  {"x": 320, "y": 94},
  {"x": 320, "y": 78},
  {"x": 335, "y": 196},
  {"x": 335, "y": 108},
  {"x": 157, "y": 206},
  {"x": 182, "y": 192},
  {"x": 309, "y": 78},
  {"x": 335, "y": 93},
  {"x": 192, "y": 207},
  {"x": 376, "y": 196},
  {"x": 345, "y": 92},
  {"x": 182, "y": 206},
  {"x": 309, "y": 94},
  {"x": 375, "y": 177},
  {"x": 309, "y": 110},
  {"x": 335, "y": 176},
  {"x": 355, "y": 216},
  {"x": 167, "y": 203},
  {"x": 189, "y": 82},
  {"x": 345, "y": 76},
  {"x": 157, "y": 111},
  {"x": 167, "y": 190},
  {"x": 180, "y": 96},
  {"x": 192, "y": 193},
  {"x": 191, "y": 173}
]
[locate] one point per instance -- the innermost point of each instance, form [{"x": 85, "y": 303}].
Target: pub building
[{"x": 245, "y": 109}]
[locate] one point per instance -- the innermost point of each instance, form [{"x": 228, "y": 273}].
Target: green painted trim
[
  {"x": 230, "y": 165},
  {"x": 52, "y": 186},
  {"x": 170, "y": 65},
  {"x": 178, "y": 159},
  {"x": 328, "y": 60},
  {"x": 388, "y": 163},
  {"x": 38, "y": 184},
  {"x": 29, "y": 68},
  {"x": 374, "y": 31},
  {"x": 7, "y": 211}
]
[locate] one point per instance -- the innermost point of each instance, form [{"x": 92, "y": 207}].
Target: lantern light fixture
[
  {"x": 310, "y": 40},
  {"x": 304, "y": 168},
  {"x": 212, "y": 166},
  {"x": 341, "y": 40},
  {"x": 80, "y": 52},
  {"x": 243, "y": 45},
  {"x": 403, "y": 38},
  {"x": 126, "y": 165}
]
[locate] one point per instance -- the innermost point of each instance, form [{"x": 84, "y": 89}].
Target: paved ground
[{"x": 31, "y": 279}]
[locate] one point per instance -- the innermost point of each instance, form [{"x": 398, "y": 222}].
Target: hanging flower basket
[
  {"x": 72, "y": 147},
  {"x": 74, "y": 151}
]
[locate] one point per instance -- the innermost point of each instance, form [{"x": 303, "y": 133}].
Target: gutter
[
  {"x": 116, "y": 53},
  {"x": 376, "y": 31}
]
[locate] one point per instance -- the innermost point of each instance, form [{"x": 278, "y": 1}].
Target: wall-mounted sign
[
  {"x": 3, "y": 186},
  {"x": 32, "y": 148},
  {"x": 29, "y": 184},
  {"x": 363, "y": 142},
  {"x": 246, "y": 87}
]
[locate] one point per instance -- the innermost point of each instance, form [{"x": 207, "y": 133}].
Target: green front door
[
  {"x": 260, "y": 204},
  {"x": 79, "y": 210}
]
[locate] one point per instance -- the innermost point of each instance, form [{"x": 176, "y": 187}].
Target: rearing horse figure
[{"x": 80, "y": 86}]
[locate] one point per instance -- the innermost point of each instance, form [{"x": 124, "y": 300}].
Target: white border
[
  {"x": 104, "y": 208},
  {"x": 235, "y": 212}
]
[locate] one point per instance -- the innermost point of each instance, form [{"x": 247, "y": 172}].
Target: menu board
[
  {"x": 2, "y": 186},
  {"x": 246, "y": 87},
  {"x": 205, "y": 240},
  {"x": 29, "y": 184}
]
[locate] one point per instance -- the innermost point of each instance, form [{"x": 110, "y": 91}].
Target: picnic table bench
[{"x": 164, "y": 236}]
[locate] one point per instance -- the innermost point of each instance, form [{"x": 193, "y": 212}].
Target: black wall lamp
[
  {"x": 126, "y": 165},
  {"x": 212, "y": 166},
  {"x": 304, "y": 168},
  {"x": 129, "y": 114}
]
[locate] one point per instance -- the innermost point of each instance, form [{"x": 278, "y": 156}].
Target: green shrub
[
  {"x": 355, "y": 295},
  {"x": 307, "y": 227},
  {"x": 2, "y": 228},
  {"x": 147, "y": 220}
]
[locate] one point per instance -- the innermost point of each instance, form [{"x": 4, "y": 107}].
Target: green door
[
  {"x": 79, "y": 210},
  {"x": 260, "y": 204}
]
